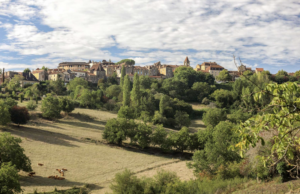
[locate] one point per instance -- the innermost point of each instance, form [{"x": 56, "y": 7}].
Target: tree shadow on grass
[
  {"x": 45, "y": 181},
  {"x": 42, "y": 135},
  {"x": 98, "y": 125}
]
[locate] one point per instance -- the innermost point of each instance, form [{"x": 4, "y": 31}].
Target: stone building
[
  {"x": 209, "y": 67},
  {"x": 74, "y": 66},
  {"x": 40, "y": 74}
]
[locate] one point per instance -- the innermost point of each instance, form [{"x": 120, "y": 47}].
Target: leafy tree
[
  {"x": 145, "y": 116},
  {"x": 181, "y": 139},
  {"x": 224, "y": 76},
  {"x": 9, "y": 103},
  {"x": 14, "y": 83},
  {"x": 19, "y": 115},
  {"x": 145, "y": 82},
  {"x": 27, "y": 70},
  {"x": 45, "y": 68},
  {"x": 213, "y": 116},
  {"x": 205, "y": 101},
  {"x": 135, "y": 92},
  {"x": 123, "y": 73},
  {"x": 58, "y": 86},
  {"x": 77, "y": 82},
  {"x": 266, "y": 73},
  {"x": 126, "y": 91},
  {"x": 112, "y": 79},
  {"x": 282, "y": 73},
  {"x": 282, "y": 117},
  {"x": 224, "y": 98},
  {"x": 11, "y": 151},
  {"x": 158, "y": 118},
  {"x": 66, "y": 104},
  {"x": 126, "y": 112},
  {"x": 297, "y": 73},
  {"x": 50, "y": 107},
  {"x": 247, "y": 73},
  {"x": 216, "y": 152},
  {"x": 182, "y": 119},
  {"x": 202, "y": 90},
  {"x": 159, "y": 136},
  {"x": 9, "y": 179},
  {"x": 126, "y": 61},
  {"x": 31, "y": 105},
  {"x": 4, "y": 114},
  {"x": 113, "y": 91},
  {"x": 35, "y": 90},
  {"x": 162, "y": 104},
  {"x": 143, "y": 135}
]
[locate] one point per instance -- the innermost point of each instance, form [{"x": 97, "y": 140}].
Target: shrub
[
  {"x": 50, "y": 107},
  {"x": 19, "y": 115},
  {"x": 205, "y": 101},
  {"x": 66, "y": 105},
  {"x": 31, "y": 105}
]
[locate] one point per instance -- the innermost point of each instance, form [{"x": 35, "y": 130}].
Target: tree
[
  {"x": 45, "y": 68},
  {"x": 50, "y": 107},
  {"x": 281, "y": 117},
  {"x": 66, "y": 104},
  {"x": 145, "y": 82},
  {"x": 182, "y": 119},
  {"x": 213, "y": 116},
  {"x": 135, "y": 92},
  {"x": 19, "y": 115},
  {"x": 143, "y": 135},
  {"x": 4, "y": 114},
  {"x": 216, "y": 152},
  {"x": 247, "y": 73},
  {"x": 123, "y": 73},
  {"x": 297, "y": 73},
  {"x": 282, "y": 73},
  {"x": 224, "y": 76},
  {"x": 27, "y": 70},
  {"x": 181, "y": 139},
  {"x": 224, "y": 98},
  {"x": 11, "y": 151},
  {"x": 159, "y": 136},
  {"x": 162, "y": 104},
  {"x": 202, "y": 90},
  {"x": 15, "y": 82},
  {"x": 126, "y": 112},
  {"x": 77, "y": 82},
  {"x": 31, "y": 105},
  {"x": 9, "y": 179},
  {"x": 126, "y": 61},
  {"x": 126, "y": 91},
  {"x": 57, "y": 86},
  {"x": 113, "y": 91}
]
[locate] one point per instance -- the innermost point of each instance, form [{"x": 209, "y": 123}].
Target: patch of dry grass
[{"x": 58, "y": 144}]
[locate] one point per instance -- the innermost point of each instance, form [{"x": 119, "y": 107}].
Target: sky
[{"x": 262, "y": 33}]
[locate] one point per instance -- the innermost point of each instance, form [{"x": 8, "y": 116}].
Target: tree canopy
[
  {"x": 126, "y": 61},
  {"x": 224, "y": 76}
]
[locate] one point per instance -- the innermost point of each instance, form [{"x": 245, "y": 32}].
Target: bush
[
  {"x": 205, "y": 101},
  {"x": 50, "y": 107},
  {"x": 66, "y": 105},
  {"x": 31, "y": 105},
  {"x": 214, "y": 116},
  {"x": 19, "y": 115}
]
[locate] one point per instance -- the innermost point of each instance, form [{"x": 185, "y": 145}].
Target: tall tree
[
  {"x": 9, "y": 179},
  {"x": 123, "y": 73},
  {"x": 126, "y": 91},
  {"x": 136, "y": 93},
  {"x": 162, "y": 104},
  {"x": 27, "y": 70},
  {"x": 224, "y": 76},
  {"x": 126, "y": 61}
]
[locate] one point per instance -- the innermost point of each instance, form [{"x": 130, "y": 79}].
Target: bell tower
[{"x": 186, "y": 62}]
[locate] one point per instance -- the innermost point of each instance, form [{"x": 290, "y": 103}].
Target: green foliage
[
  {"x": 162, "y": 104},
  {"x": 123, "y": 73},
  {"x": 213, "y": 116},
  {"x": 126, "y": 91},
  {"x": 282, "y": 116},
  {"x": 202, "y": 90},
  {"x": 135, "y": 92},
  {"x": 14, "y": 83},
  {"x": 66, "y": 104},
  {"x": 58, "y": 86},
  {"x": 113, "y": 91},
  {"x": 143, "y": 135},
  {"x": 31, "y": 105},
  {"x": 9, "y": 179},
  {"x": 247, "y": 73},
  {"x": 126, "y": 112},
  {"x": 182, "y": 119},
  {"x": 205, "y": 101},
  {"x": 27, "y": 70},
  {"x": 224, "y": 76},
  {"x": 282, "y": 73},
  {"x": 50, "y": 107},
  {"x": 77, "y": 82},
  {"x": 145, "y": 82},
  {"x": 216, "y": 152},
  {"x": 19, "y": 115},
  {"x": 238, "y": 116},
  {"x": 181, "y": 139},
  {"x": 4, "y": 114},
  {"x": 145, "y": 116},
  {"x": 126, "y": 61},
  {"x": 158, "y": 118},
  {"x": 159, "y": 136},
  {"x": 224, "y": 98},
  {"x": 11, "y": 151},
  {"x": 297, "y": 73},
  {"x": 9, "y": 103}
]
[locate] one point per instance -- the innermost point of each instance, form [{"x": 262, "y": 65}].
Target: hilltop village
[{"x": 94, "y": 71}]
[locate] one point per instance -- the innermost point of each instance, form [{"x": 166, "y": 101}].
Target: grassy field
[{"x": 61, "y": 144}]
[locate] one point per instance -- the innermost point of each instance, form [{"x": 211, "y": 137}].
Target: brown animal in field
[
  {"x": 30, "y": 175},
  {"x": 64, "y": 169},
  {"x": 58, "y": 170},
  {"x": 62, "y": 173},
  {"x": 40, "y": 164},
  {"x": 60, "y": 178},
  {"x": 51, "y": 177}
]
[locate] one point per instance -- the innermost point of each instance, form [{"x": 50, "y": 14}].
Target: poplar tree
[
  {"x": 126, "y": 91},
  {"x": 123, "y": 73},
  {"x": 162, "y": 104},
  {"x": 136, "y": 93}
]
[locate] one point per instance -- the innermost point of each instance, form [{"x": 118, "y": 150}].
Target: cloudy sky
[{"x": 263, "y": 33}]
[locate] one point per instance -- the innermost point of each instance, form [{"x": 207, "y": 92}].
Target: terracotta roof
[
  {"x": 72, "y": 63},
  {"x": 97, "y": 67},
  {"x": 291, "y": 74},
  {"x": 249, "y": 68},
  {"x": 186, "y": 59},
  {"x": 205, "y": 71},
  {"x": 259, "y": 69}
]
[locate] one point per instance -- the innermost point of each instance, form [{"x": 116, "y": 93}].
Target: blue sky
[{"x": 263, "y": 33}]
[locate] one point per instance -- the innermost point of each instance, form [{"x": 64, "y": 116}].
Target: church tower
[{"x": 186, "y": 62}]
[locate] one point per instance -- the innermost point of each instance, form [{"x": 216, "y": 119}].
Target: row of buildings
[{"x": 93, "y": 71}]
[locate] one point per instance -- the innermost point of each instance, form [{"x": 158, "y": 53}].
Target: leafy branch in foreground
[{"x": 282, "y": 121}]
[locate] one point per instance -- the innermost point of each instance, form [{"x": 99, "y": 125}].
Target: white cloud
[{"x": 266, "y": 31}]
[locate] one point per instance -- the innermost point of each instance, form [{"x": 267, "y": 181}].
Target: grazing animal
[
  {"x": 51, "y": 177},
  {"x": 62, "y": 173},
  {"x": 30, "y": 175},
  {"x": 58, "y": 170},
  {"x": 64, "y": 169},
  {"x": 40, "y": 164}
]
